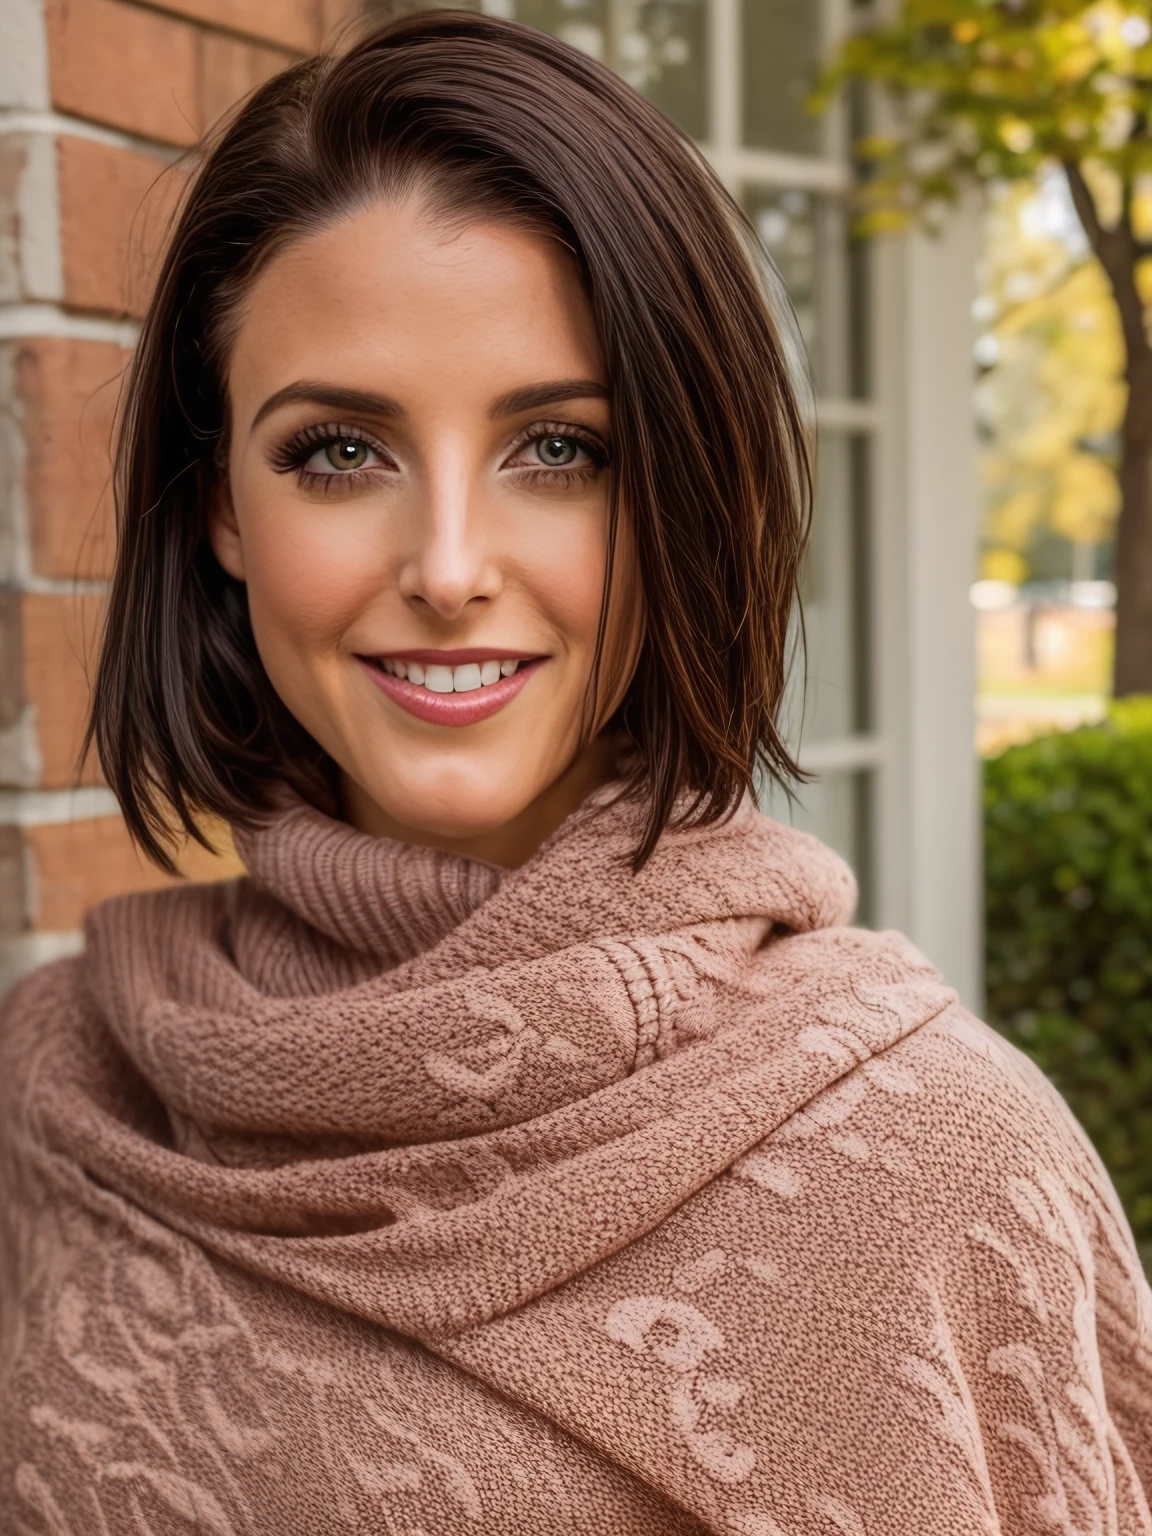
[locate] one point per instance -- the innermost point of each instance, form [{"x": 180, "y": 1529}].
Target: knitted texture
[{"x": 383, "y": 1192}]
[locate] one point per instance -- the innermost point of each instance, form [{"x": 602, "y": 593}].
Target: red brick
[
  {"x": 80, "y": 863},
  {"x": 13, "y": 171},
  {"x": 295, "y": 24},
  {"x": 122, "y": 65},
  {"x": 155, "y": 75},
  {"x": 116, "y": 207},
  {"x": 60, "y": 637},
  {"x": 68, "y": 393},
  {"x": 333, "y": 16},
  {"x": 229, "y": 69},
  {"x": 11, "y": 658},
  {"x": 13, "y": 884}
]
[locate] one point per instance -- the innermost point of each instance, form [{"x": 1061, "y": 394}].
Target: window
[
  {"x": 783, "y": 44},
  {"x": 659, "y": 46},
  {"x": 735, "y": 74}
]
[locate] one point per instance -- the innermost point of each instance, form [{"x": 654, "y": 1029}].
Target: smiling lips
[{"x": 451, "y": 687}]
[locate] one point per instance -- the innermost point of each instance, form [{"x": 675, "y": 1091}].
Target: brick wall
[{"x": 98, "y": 101}]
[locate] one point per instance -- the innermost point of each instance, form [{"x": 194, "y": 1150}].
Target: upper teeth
[{"x": 473, "y": 674}]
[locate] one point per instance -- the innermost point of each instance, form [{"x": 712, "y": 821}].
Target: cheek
[
  {"x": 562, "y": 566},
  {"x": 310, "y": 571}
]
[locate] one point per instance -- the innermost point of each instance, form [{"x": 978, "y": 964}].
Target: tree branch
[
  {"x": 1118, "y": 253},
  {"x": 1084, "y": 203}
]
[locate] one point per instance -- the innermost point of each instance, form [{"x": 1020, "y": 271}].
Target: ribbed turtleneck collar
[
  {"x": 556, "y": 1060},
  {"x": 387, "y": 900},
  {"x": 357, "y": 992}
]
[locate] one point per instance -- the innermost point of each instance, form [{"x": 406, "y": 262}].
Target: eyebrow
[
  {"x": 533, "y": 396},
  {"x": 362, "y": 402},
  {"x": 356, "y": 401}
]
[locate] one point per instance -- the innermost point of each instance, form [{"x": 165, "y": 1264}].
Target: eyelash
[
  {"x": 291, "y": 457},
  {"x": 561, "y": 479}
]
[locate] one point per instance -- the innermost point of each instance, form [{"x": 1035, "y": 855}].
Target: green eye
[
  {"x": 346, "y": 453},
  {"x": 557, "y": 452}
]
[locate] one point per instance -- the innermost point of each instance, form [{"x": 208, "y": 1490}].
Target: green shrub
[{"x": 1068, "y": 873}]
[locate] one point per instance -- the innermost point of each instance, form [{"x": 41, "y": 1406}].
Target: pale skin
[{"x": 420, "y": 462}]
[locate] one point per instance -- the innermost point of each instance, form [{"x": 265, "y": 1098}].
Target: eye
[
  {"x": 555, "y": 455},
  {"x": 339, "y": 454},
  {"x": 555, "y": 451},
  {"x": 322, "y": 455}
]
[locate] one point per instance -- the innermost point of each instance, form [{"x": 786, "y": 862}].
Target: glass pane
[
  {"x": 836, "y": 808},
  {"x": 787, "y": 225},
  {"x": 782, "y": 49},
  {"x": 659, "y": 46},
  {"x": 807, "y": 236},
  {"x": 583, "y": 23},
  {"x": 835, "y": 595},
  {"x": 662, "y": 51}
]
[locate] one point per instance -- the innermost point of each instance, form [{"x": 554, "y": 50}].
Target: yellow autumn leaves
[
  {"x": 1052, "y": 397},
  {"x": 995, "y": 91},
  {"x": 1004, "y": 94}
]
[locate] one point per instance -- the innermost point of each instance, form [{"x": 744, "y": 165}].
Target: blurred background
[{"x": 958, "y": 196}]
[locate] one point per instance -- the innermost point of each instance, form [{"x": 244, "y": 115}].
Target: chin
[
  {"x": 459, "y": 812},
  {"x": 460, "y": 825}
]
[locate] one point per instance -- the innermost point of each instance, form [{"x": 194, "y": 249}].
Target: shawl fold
[{"x": 385, "y": 1191}]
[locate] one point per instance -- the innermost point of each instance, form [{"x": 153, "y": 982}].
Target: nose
[{"x": 451, "y": 564}]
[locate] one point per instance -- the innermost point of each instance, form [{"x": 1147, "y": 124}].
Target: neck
[{"x": 515, "y": 842}]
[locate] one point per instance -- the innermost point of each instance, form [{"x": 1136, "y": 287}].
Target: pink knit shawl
[{"x": 383, "y": 1192}]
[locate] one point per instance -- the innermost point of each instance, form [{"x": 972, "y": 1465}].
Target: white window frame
[{"x": 920, "y": 753}]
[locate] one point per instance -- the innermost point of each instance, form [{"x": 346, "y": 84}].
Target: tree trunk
[
  {"x": 1133, "y": 672},
  {"x": 1118, "y": 253}
]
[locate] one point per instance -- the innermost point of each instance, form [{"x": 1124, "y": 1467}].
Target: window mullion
[{"x": 724, "y": 80}]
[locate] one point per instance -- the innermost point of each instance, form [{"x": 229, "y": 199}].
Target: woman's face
[{"x": 418, "y": 505}]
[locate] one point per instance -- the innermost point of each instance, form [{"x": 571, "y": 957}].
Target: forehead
[{"x": 390, "y": 295}]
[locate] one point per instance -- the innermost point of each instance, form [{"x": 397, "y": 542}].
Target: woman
[{"x": 524, "y": 1144}]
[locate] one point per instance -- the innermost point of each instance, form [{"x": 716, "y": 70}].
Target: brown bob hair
[{"x": 711, "y": 459}]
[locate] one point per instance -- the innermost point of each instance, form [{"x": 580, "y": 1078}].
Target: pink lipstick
[{"x": 457, "y": 687}]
